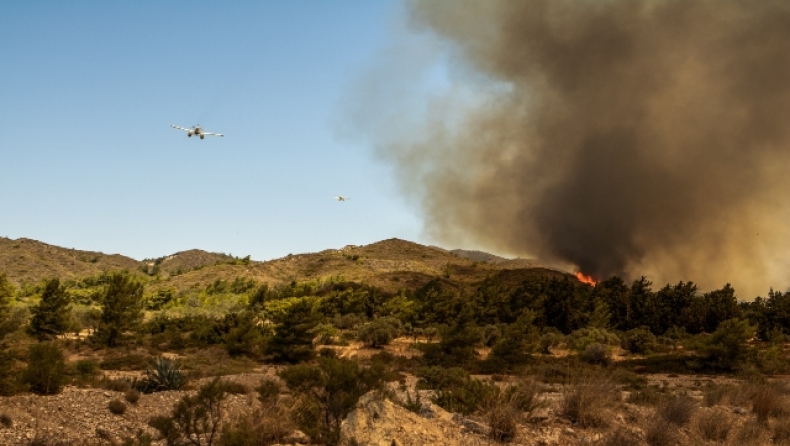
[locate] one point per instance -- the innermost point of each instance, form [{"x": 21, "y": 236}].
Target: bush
[
  {"x": 132, "y": 396},
  {"x": 638, "y": 341},
  {"x": 379, "y": 332},
  {"x": 502, "y": 417},
  {"x": 714, "y": 425},
  {"x": 86, "y": 368},
  {"x": 117, "y": 407},
  {"x": 660, "y": 432},
  {"x": 6, "y": 421},
  {"x": 328, "y": 392},
  {"x": 525, "y": 396},
  {"x": 596, "y": 354},
  {"x": 466, "y": 397},
  {"x": 45, "y": 372},
  {"x": 440, "y": 377},
  {"x": 194, "y": 417},
  {"x": 268, "y": 392},
  {"x": 117, "y": 385},
  {"x": 677, "y": 410},
  {"x": 267, "y": 427}
]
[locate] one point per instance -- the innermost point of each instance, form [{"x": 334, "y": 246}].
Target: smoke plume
[{"x": 617, "y": 136}]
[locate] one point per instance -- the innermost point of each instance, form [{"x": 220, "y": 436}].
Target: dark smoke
[{"x": 622, "y": 137}]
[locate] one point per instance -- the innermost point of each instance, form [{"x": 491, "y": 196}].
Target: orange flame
[{"x": 583, "y": 278}]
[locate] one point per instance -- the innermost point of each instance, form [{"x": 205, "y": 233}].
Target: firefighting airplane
[
  {"x": 341, "y": 198},
  {"x": 196, "y": 130}
]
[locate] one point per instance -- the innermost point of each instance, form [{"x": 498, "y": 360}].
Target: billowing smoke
[{"x": 617, "y": 136}]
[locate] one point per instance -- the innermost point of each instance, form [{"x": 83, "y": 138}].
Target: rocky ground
[{"x": 82, "y": 416}]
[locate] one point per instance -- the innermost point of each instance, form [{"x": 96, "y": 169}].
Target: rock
[
  {"x": 739, "y": 410},
  {"x": 568, "y": 431},
  {"x": 470, "y": 424},
  {"x": 297, "y": 437}
]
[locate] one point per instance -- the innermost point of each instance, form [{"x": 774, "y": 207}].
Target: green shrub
[
  {"x": 117, "y": 407},
  {"x": 639, "y": 341},
  {"x": 164, "y": 375},
  {"x": 45, "y": 372},
  {"x": 596, "y": 354},
  {"x": 268, "y": 392},
  {"x": 9, "y": 382},
  {"x": 379, "y": 332},
  {"x": 86, "y": 368},
  {"x": 328, "y": 392}
]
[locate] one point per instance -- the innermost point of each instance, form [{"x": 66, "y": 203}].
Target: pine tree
[
  {"x": 51, "y": 315},
  {"x": 293, "y": 339},
  {"x": 122, "y": 308}
]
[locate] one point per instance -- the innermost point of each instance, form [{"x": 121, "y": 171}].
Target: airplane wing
[
  {"x": 212, "y": 134},
  {"x": 180, "y": 128}
]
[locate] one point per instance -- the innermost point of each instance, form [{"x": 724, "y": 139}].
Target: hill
[
  {"x": 28, "y": 261},
  {"x": 389, "y": 264}
]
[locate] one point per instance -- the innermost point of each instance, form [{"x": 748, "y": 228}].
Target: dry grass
[
  {"x": 767, "y": 403},
  {"x": 714, "y": 425},
  {"x": 502, "y": 417},
  {"x": 677, "y": 410},
  {"x": 589, "y": 401},
  {"x": 660, "y": 432},
  {"x": 780, "y": 432},
  {"x": 750, "y": 434},
  {"x": 620, "y": 437}
]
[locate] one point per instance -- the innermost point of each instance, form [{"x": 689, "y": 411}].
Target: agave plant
[{"x": 164, "y": 375}]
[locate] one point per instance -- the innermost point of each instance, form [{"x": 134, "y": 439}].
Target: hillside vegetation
[{"x": 491, "y": 344}]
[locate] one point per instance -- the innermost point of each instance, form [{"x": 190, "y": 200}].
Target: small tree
[
  {"x": 122, "y": 308},
  {"x": 45, "y": 368},
  {"x": 51, "y": 315},
  {"x": 726, "y": 347},
  {"x": 328, "y": 393},
  {"x": 519, "y": 340},
  {"x": 293, "y": 338}
]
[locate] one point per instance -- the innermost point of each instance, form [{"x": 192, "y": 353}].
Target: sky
[{"x": 88, "y": 160}]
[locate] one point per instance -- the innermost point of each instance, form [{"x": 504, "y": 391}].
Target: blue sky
[{"x": 88, "y": 91}]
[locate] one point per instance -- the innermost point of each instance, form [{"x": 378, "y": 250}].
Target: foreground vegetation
[{"x": 524, "y": 329}]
